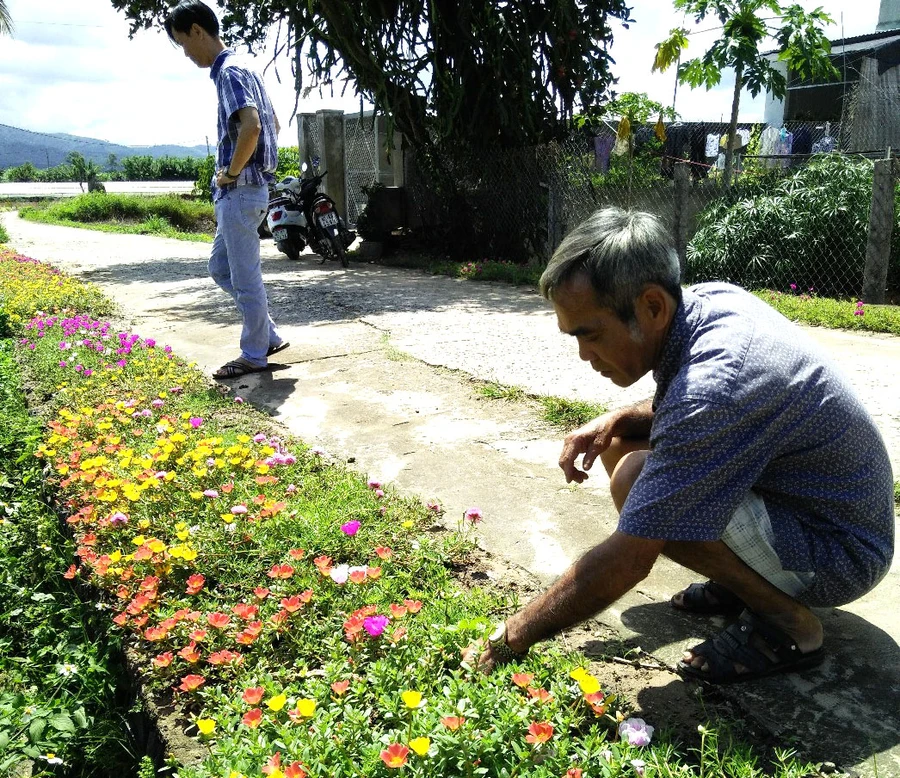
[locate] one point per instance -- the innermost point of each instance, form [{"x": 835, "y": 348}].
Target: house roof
[{"x": 871, "y": 42}]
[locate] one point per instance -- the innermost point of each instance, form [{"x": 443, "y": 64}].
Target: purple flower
[
  {"x": 474, "y": 515},
  {"x": 63, "y": 363},
  {"x": 350, "y": 528},
  {"x": 195, "y": 421},
  {"x": 373, "y": 484},
  {"x": 121, "y": 363},
  {"x": 793, "y": 287},
  {"x": 157, "y": 403},
  {"x": 375, "y": 625},
  {"x": 161, "y": 474},
  {"x": 238, "y": 509},
  {"x": 88, "y": 372},
  {"x": 638, "y": 765},
  {"x": 211, "y": 493},
  {"x": 150, "y": 343},
  {"x": 118, "y": 518},
  {"x": 291, "y": 489},
  {"x": 636, "y": 732},
  {"x": 379, "y": 493},
  {"x": 259, "y": 438}
]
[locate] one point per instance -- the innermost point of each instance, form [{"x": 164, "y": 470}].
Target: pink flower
[
  {"x": 238, "y": 509},
  {"x": 157, "y": 403},
  {"x": 118, "y": 518},
  {"x": 239, "y": 400},
  {"x": 259, "y": 438},
  {"x": 195, "y": 421},
  {"x": 291, "y": 489},
  {"x": 375, "y": 625},
  {"x": 474, "y": 515},
  {"x": 373, "y": 484},
  {"x": 636, "y": 732},
  {"x": 350, "y": 528},
  {"x": 211, "y": 493},
  {"x": 379, "y": 493}
]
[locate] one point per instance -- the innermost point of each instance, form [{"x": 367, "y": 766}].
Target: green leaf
[
  {"x": 4, "y": 739},
  {"x": 36, "y": 729},
  {"x": 62, "y": 722},
  {"x": 80, "y": 718}
]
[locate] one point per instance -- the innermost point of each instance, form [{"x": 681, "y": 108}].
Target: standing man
[
  {"x": 246, "y": 160},
  {"x": 755, "y": 464}
]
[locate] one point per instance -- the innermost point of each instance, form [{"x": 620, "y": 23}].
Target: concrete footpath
[{"x": 420, "y": 424}]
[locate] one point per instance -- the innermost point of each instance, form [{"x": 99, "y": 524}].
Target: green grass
[
  {"x": 4, "y": 235},
  {"x": 63, "y": 689},
  {"x": 169, "y": 216},
  {"x": 562, "y": 413},
  {"x": 836, "y": 314},
  {"x": 897, "y": 492}
]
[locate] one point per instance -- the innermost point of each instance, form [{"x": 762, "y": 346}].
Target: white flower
[
  {"x": 340, "y": 574},
  {"x": 636, "y": 732},
  {"x": 67, "y": 669}
]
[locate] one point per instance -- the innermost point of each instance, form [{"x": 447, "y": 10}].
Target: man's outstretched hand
[{"x": 591, "y": 440}]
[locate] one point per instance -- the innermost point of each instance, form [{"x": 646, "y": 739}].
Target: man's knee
[
  {"x": 618, "y": 448},
  {"x": 625, "y": 472}
]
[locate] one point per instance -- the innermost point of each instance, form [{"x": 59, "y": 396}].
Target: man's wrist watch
[{"x": 500, "y": 648}]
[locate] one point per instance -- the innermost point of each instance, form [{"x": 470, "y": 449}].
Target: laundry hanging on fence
[{"x": 603, "y": 146}]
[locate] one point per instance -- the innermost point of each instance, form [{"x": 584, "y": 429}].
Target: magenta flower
[
  {"x": 239, "y": 400},
  {"x": 379, "y": 493},
  {"x": 259, "y": 438},
  {"x": 373, "y": 484},
  {"x": 150, "y": 343},
  {"x": 474, "y": 515},
  {"x": 375, "y": 625},
  {"x": 350, "y": 528},
  {"x": 195, "y": 421}
]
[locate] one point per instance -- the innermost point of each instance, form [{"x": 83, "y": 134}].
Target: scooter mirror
[{"x": 304, "y": 167}]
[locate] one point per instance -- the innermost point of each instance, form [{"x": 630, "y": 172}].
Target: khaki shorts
[{"x": 749, "y": 534}]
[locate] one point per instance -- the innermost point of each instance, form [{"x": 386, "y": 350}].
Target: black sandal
[
  {"x": 237, "y": 368},
  {"x": 732, "y": 646},
  {"x": 275, "y": 349},
  {"x": 696, "y": 599}
]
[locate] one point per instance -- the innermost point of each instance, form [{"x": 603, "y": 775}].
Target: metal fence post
[
  {"x": 682, "y": 177},
  {"x": 881, "y": 225}
]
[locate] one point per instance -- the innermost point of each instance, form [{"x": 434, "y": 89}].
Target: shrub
[
  {"x": 23, "y": 173},
  {"x": 4, "y": 235},
  {"x": 203, "y": 184},
  {"x": 809, "y": 228}
]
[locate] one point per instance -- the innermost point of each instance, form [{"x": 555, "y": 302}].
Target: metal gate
[{"x": 360, "y": 160}]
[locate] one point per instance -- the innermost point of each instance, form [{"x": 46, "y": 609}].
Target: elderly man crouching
[{"x": 754, "y": 465}]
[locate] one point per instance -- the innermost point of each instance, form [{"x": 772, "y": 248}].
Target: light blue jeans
[{"x": 234, "y": 265}]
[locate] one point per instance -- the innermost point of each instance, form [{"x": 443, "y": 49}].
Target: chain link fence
[
  {"x": 360, "y": 160},
  {"x": 795, "y": 216}
]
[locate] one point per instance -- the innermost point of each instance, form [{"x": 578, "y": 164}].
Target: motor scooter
[{"x": 300, "y": 215}]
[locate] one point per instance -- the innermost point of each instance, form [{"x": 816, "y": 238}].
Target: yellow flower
[
  {"x": 157, "y": 546},
  {"x": 139, "y": 540},
  {"x": 412, "y": 699},
  {"x": 420, "y": 745},
  {"x": 115, "y": 556},
  {"x": 183, "y": 534},
  {"x": 306, "y": 708},
  {"x": 144, "y": 524},
  {"x": 236, "y": 774},
  {"x": 589, "y": 685},
  {"x": 277, "y": 702},
  {"x": 579, "y": 674},
  {"x": 407, "y": 525},
  {"x": 206, "y": 726},
  {"x": 196, "y": 496}
]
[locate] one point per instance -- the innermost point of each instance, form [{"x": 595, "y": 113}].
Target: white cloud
[{"x": 72, "y": 68}]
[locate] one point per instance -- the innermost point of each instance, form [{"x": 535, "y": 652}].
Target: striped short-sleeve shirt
[
  {"x": 746, "y": 401},
  {"x": 239, "y": 87}
]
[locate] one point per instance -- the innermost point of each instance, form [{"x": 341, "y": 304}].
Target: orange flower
[
  {"x": 190, "y": 653},
  {"x": 252, "y": 718},
  {"x": 383, "y": 552},
  {"x": 573, "y": 772},
  {"x": 280, "y": 617},
  {"x": 323, "y": 564},
  {"x": 340, "y": 687},
  {"x": 296, "y": 553},
  {"x": 539, "y": 732},
  {"x": 291, "y": 604},
  {"x": 374, "y": 573},
  {"x": 306, "y": 595},
  {"x": 281, "y": 571},
  {"x": 261, "y": 592},
  {"x": 453, "y": 723},
  {"x": 413, "y": 606},
  {"x": 198, "y": 635},
  {"x": 253, "y": 695},
  {"x": 295, "y": 770},
  {"x": 155, "y": 633},
  {"x": 358, "y": 576},
  {"x": 70, "y": 573},
  {"x": 195, "y": 583},
  {"x": 541, "y": 695},
  {"x": 394, "y": 755},
  {"x": 191, "y": 682},
  {"x": 398, "y": 611},
  {"x": 244, "y": 611},
  {"x": 522, "y": 679},
  {"x": 163, "y": 660}
]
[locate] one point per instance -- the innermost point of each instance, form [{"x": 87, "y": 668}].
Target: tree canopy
[
  {"x": 6, "y": 25},
  {"x": 746, "y": 24},
  {"x": 484, "y": 72}
]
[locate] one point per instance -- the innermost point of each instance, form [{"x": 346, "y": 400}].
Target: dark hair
[
  {"x": 620, "y": 252},
  {"x": 188, "y": 13}
]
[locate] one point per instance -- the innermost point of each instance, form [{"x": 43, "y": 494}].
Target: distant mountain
[{"x": 50, "y": 149}]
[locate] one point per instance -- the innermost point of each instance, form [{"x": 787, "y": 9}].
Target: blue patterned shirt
[
  {"x": 237, "y": 87},
  {"x": 744, "y": 401}
]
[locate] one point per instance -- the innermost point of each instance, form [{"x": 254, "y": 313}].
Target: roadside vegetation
[
  {"x": 565, "y": 415},
  {"x": 4, "y": 235},
  {"x": 168, "y": 216},
  {"x": 296, "y": 619}
]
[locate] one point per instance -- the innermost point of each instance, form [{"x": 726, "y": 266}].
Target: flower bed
[{"x": 298, "y": 618}]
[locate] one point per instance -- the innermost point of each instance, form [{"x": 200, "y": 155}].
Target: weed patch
[{"x": 563, "y": 414}]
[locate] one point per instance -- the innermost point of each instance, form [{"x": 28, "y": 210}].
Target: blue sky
[{"x": 71, "y": 68}]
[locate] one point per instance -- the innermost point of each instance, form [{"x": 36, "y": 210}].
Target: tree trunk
[{"x": 732, "y": 128}]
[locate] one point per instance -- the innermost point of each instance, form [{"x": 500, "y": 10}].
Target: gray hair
[{"x": 620, "y": 252}]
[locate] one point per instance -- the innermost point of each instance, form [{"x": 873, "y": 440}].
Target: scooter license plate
[
  {"x": 329, "y": 219},
  {"x": 279, "y": 234}
]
